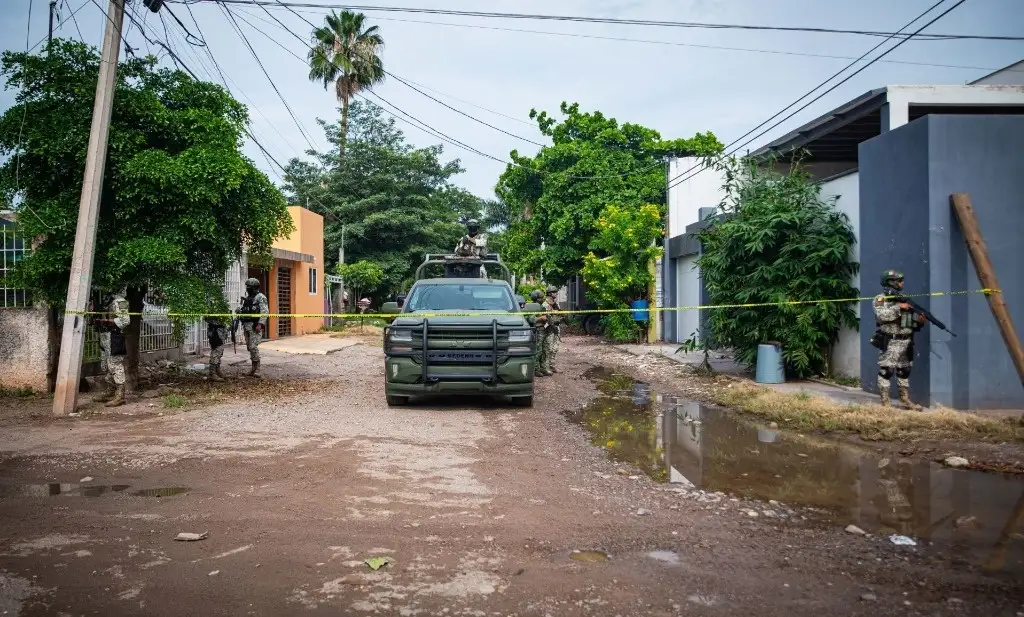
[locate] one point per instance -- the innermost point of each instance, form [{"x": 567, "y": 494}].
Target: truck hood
[{"x": 412, "y": 319}]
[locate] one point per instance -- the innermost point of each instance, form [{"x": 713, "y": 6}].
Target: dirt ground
[{"x": 300, "y": 477}]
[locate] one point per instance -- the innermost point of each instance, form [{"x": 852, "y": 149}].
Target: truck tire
[
  {"x": 397, "y": 401},
  {"x": 592, "y": 325},
  {"x": 523, "y": 401}
]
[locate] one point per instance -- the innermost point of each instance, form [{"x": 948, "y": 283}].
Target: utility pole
[
  {"x": 49, "y": 35},
  {"x": 69, "y": 367},
  {"x": 341, "y": 260}
]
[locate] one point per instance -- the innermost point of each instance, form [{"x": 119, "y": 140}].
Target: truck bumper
[{"x": 404, "y": 377}]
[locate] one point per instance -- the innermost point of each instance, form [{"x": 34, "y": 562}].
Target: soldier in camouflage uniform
[
  {"x": 217, "y": 335},
  {"x": 254, "y": 304},
  {"x": 539, "y": 321},
  {"x": 113, "y": 347},
  {"x": 897, "y": 324},
  {"x": 553, "y": 337}
]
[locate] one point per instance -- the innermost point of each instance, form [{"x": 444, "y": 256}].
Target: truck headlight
[
  {"x": 400, "y": 336},
  {"x": 520, "y": 336}
]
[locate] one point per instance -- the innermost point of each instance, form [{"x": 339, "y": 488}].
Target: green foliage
[
  {"x": 179, "y": 199},
  {"x": 525, "y": 289},
  {"x": 625, "y": 237},
  {"x": 620, "y": 326},
  {"x": 558, "y": 196},
  {"x": 175, "y": 401},
  {"x": 360, "y": 277},
  {"x": 396, "y": 202},
  {"x": 779, "y": 242},
  {"x": 345, "y": 53}
]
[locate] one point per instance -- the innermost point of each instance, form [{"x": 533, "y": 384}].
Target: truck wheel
[
  {"x": 592, "y": 325},
  {"x": 397, "y": 401},
  {"x": 523, "y": 401}
]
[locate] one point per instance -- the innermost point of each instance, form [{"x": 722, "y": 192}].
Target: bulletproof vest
[{"x": 249, "y": 307}]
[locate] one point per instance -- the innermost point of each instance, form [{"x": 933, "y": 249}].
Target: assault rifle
[{"x": 920, "y": 310}]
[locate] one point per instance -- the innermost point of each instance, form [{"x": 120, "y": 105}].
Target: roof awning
[{"x": 293, "y": 256}]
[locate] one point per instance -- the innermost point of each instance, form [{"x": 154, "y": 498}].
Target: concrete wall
[
  {"x": 846, "y": 190},
  {"x": 1012, "y": 75},
  {"x": 311, "y": 242},
  {"x": 687, "y": 294},
  {"x": 685, "y": 199},
  {"x": 23, "y": 348},
  {"x": 907, "y": 176}
]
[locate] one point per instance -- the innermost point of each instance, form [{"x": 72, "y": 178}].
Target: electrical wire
[
  {"x": 611, "y": 20},
  {"x": 273, "y": 85},
  {"x": 700, "y": 166},
  {"x": 60, "y": 23}
]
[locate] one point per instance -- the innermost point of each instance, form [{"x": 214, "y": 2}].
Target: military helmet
[
  {"x": 473, "y": 226},
  {"x": 536, "y": 295},
  {"x": 891, "y": 277},
  {"x": 552, "y": 289},
  {"x": 252, "y": 283}
]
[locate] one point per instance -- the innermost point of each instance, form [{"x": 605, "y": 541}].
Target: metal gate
[{"x": 284, "y": 300}]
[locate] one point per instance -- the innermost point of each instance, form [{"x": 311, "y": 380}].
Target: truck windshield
[{"x": 462, "y": 297}]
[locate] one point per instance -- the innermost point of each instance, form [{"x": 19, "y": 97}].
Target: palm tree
[{"x": 346, "y": 54}]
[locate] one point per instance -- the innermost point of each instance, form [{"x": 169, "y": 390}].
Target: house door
[{"x": 284, "y": 300}]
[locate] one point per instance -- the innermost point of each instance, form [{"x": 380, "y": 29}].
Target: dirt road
[{"x": 478, "y": 508}]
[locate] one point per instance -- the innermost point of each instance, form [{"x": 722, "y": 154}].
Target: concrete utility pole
[
  {"x": 49, "y": 35},
  {"x": 69, "y": 367}
]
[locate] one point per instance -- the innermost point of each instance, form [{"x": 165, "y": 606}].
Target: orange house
[{"x": 294, "y": 284}]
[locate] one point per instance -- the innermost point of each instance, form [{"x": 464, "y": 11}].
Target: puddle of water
[
  {"x": 589, "y": 556},
  {"x": 667, "y": 557},
  {"x": 59, "y": 489},
  {"x": 55, "y": 489},
  {"x": 978, "y": 516}
]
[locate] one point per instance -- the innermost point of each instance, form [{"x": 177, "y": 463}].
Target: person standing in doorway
[{"x": 254, "y": 315}]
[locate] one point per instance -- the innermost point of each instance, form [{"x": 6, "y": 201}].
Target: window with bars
[
  {"x": 312, "y": 281},
  {"x": 13, "y": 248}
]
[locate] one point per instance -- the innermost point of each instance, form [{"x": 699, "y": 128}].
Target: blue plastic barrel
[
  {"x": 639, "y": 308},
  {"x": 769, "y": 364}
]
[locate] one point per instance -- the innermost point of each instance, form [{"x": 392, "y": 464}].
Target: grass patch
[
  {"x": 24, "y": 392},
  {"x": 849, "y": 382},
  {"x": 175, "y": 401},
  {"x": 872, "y": 422}
]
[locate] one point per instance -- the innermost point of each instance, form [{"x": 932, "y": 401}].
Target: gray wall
[
  {"x": 907, "y": 223},
  {"x": 24, "y": 348}
]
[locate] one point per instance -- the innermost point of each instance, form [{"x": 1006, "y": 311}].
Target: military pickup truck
[{"x": 463, "y": 333}]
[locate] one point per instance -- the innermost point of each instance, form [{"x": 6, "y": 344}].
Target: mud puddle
[
  {"x": 59, "y": 489},
  {"x": 976, "y": 517}
]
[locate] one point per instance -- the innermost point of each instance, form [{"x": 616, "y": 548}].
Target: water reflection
[{"x": 977, "y": 516}]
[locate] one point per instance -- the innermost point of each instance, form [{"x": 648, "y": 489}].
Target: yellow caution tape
[{"x": 653, "y": 309}]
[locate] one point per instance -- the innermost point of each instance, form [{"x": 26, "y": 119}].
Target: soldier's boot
[
  {"x": 214, "y": 374},
  {"x": 118, "y": 399},
  {"x": 255, "y": 370},
  {"x": 219, "y": 374},
  {"x": 107, "y": 395},
  {"x": 884, "y": 395},
  {"x": 905, "y": 399}
]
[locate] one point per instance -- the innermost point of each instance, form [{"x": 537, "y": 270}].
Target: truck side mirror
[
  {"x": 389, "y": 308},
  {"x": 533, "y": 307}
]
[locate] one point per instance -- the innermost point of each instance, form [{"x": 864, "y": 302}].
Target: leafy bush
[
  {"x": 620, "y": 326},
  {"x": 779, "y": 243}
]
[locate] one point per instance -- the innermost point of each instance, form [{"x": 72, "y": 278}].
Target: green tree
[
  {"x": 360, "y": 277},
  {"x": 395, "y": 202},
  {"x": 346, "y": 53},
  {"x": 179, "y": 199},
  {"x": 779, "y": 243},
  {"x": 556, "y": 197}
]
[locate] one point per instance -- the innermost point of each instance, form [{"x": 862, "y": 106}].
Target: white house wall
[
  {"x": 846, "y": 353},
  {"x": 685, "y": 199},
  {"x": 687, "y": 294}
]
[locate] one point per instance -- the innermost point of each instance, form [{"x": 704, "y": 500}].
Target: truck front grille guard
[{"x": 424, "y": 342}]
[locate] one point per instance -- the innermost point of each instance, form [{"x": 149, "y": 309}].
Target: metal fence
[{"x": 13, "y": 248}]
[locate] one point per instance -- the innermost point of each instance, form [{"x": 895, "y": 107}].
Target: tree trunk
[
  {"x": 343, "y": 136},
  {"x": 133, "y": 337}
]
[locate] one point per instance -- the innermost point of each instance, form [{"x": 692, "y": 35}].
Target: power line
[
  {"x": 459, "y": 111},
  {"x": 678, "y": 44},
  {"x": 60, "y": 24},
  {"x": 676, "y": 180},
  {"x": 611, "y": 20},
  {"x": 273, "y": 85}
]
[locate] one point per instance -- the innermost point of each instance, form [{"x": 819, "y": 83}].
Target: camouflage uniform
[
  {"x": 552, "y": 333},
  {"x": 898, "y": 327},
  {"x": 217, "y": 334},
  {"x": 254, "y": 304},
  {"x": 113, "y": 350}
]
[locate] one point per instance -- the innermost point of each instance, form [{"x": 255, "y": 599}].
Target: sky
[{"x": 678, "y": 81}]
